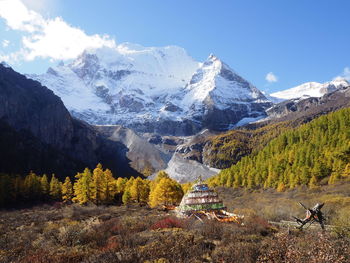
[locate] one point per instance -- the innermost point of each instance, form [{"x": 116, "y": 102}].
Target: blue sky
[{"x": 298, "y": 41}]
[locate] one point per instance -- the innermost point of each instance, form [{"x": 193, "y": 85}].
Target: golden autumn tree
[
  {"x": 45, "y": 186},
  {"x": 129, "y": 183},
  {"x": 126, "y": 198},
  {"x": 120, "y": 184},
  {"x": 139, "y": 190},
  {"x": 98, "y": 185},
  {"x": 83, "y": 187},
  {"x": 31, "y": 186},
  {"x": 55, "y": 188},
  {"x": 186, "y": 187},
  {"x": 160, "y": 175},
  {"x": 313, "y": 182},
  {"x": 281, "y": 187},
  {"x": 67, "y": 190},
  {"x": 166, "y": 192},
  {"x": 346, "y": 172},
  {"x": 110, "y": 187}
]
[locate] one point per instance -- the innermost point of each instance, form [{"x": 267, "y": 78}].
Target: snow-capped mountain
[
  {"x": 152, "y": 89},
  {"x": 310, "y": 89},
  {"x": 219, "y": 97}
]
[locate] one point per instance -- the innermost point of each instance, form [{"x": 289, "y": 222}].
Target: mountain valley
[{"x": 164, "y": 111}]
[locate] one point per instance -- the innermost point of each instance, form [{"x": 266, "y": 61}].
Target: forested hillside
[
  {"x": 222, "y": 151},
  {"x": 315, "y": 153}
]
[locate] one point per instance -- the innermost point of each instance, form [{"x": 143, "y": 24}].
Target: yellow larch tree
[
  {"x": 55, "y": 188},
  {"x": 45, "y": 186},
  {"x": 67, "y": 190},
  {"x": 166, "y": 192},
  {"x": 98, "y": 185},
  {"x": 31, "y": 186},
  {"x": 82, "y": 187},
  {"x": 120, "y": 184},
  {"x": 110, "y": 186},
  {"x": 139, "y": 190}
]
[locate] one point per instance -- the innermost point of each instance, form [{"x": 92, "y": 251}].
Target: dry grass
[
  {"x": 94, "y": 234},
  {"x": 276, "y": 206}
]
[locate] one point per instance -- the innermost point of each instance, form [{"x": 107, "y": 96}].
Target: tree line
[
  {"x": 313, "y": 154},
  {"x": 96, "y": 186}
]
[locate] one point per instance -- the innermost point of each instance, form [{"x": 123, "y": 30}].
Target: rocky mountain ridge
[
  {"x": 159, "y": 90},
  {"x": 165, "y": 101},
  {"x": 310, "y": 89},
  {"x": 221, "y": 150}
]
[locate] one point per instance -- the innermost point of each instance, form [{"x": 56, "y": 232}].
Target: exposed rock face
[
  {"x": 154, "y": 90},
  {"x": 143, "y": 155},
  {"x": 184, "y": 170},
  {"x": 37, "y": 123}
]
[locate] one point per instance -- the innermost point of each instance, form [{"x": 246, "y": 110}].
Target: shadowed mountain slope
[{"x": 38, "y": 133}]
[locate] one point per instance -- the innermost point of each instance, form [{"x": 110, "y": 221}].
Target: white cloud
[
  {"x": 270, "y": 77},
  {"x": 40, "y": 5},
  {"x": 47, "y": 38},
  {"x": 5, "y": 43},
  {"x": 344, "y": 75},
  {"x": 18, "y": 17}
]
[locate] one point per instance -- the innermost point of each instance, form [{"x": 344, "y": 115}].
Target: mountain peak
[
  {"x": 3, "y": 63},
  {"x": 146, "y": 87},
  {"x": 310, "y": 89},
  {"x": 212, "y": 57}
]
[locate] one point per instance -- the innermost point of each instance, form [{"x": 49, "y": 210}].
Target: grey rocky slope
[
  {"x": 151, "y": 153},
  {"x": 142, "y": 154}
]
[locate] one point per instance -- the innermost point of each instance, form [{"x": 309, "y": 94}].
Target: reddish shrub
[
  {"x": 111, "y": 226},
  {"x": 168, "y": 222},
  {"x": 257, "y": 224},
  {"x": 112, "y": 244}
]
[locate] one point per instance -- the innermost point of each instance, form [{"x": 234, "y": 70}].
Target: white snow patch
[
  {"x": 130, "y": 84},
  {"x": 310, "y": 89},
  {"x": 5, "y": 64},
  {"x": 245, "y": 121}
]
